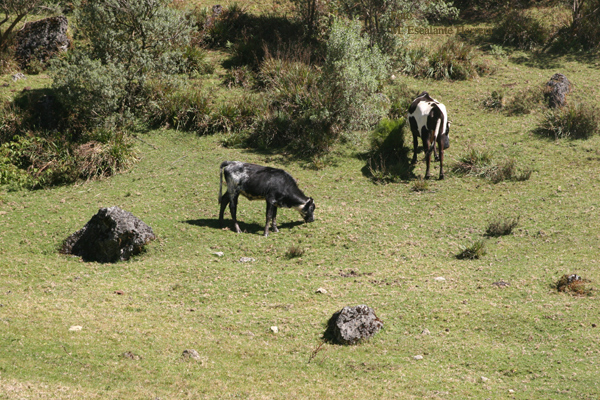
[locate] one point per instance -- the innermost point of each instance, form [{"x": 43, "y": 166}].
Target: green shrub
[
  {"x": 521, "y": 30},
  {"x": 479, "y": 163},
  {"x": 525, "y": 101},
  {"x": 401, "y": 97},
  {"x": 578, "y": 121},
  {"x": 454, "y": 60},
  {"x": 37, "y": 162},
  {"x": 494, "y": 101},
  {"x": 501, "y": 226},
  {"x": 388, "y": 160},
  {"x": 473, "y": 252},
  {"x": 352, "y": 75}
]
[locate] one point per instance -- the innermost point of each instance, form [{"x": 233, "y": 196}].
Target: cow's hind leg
[
  {"x": 441, "y": 145},
  {"x": 274, "y": 221},
  {"x": 415, "y": 131},
  {"x": 224, "y": 202},
  {"x": 426, "y": 145},
  {"x": 233, "y": 208}
]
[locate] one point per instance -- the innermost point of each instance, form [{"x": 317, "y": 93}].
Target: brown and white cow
[
  {"x": 256, "y": 182},
  {"x": 429, "y": 120}
]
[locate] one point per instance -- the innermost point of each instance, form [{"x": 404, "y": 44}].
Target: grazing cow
[
  {"x": 428, "y": 118},
  {"x": 256, "y": 182}
]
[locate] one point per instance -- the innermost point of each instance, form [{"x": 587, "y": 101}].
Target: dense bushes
[
  {"x": 578, "y": 121},
  {"x": 388, "y": 159}
]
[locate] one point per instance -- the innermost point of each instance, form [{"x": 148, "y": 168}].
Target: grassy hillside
[{"x": 380, "y": 245}]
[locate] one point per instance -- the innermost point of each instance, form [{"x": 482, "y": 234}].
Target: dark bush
[
  {"x": 521, "y": 30},
  {"x": 501, "y": 226},
  {"x": 473, "y": 252},
  {"x": 577, "y": 121},
  {"x": 388, "y": 160}
]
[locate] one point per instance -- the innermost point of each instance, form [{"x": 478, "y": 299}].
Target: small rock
[
  {"x": 484, "y": 379},
  {"x": 131, "y": 356},
  {"x": 351, "y": 325},
  {"x": 425, "y": 332},
  {"x": 18, "y": 76},
  {"x": 191, "y": 353},
  {"x": 247, "y": 259},
  {"x": 75, "y": 328},
  {"x": 418, "y": 357},
  {"x": 501, "y": 283},
  {"x": 321, "y": 290},
  {"x": 594, "y": 325},
  {"x": 219, "y": 254},
  {"x": 510, "y": 391},
  {"x": 274, "y": 329},
  {"x": 439, "y": 279},
  {"x": 119, "y": 292}
]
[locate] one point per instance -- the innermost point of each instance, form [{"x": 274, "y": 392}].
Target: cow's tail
[
  {"x": 435, "y": 136},
  {"x": 223, "y": 165}
]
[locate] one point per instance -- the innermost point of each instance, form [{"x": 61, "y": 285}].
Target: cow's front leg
[
  {"x": 233, "y": 209},
  {"x": 270, "y": 214},
  {"x": 426, "y": 144}
]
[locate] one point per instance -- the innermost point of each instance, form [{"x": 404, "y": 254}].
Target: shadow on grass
[{"x": 253, "y": 228}]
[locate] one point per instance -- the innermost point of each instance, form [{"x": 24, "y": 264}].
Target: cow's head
[{"x": 308, "y": 210}]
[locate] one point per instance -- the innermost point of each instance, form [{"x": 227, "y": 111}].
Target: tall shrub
[
  {"x": 352, "y": 75},
  {"x": 128, "y": 43}
]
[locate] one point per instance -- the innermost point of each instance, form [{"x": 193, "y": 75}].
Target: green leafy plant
[
  {"x": 577, "y": 121},
  {"x": 472, "y": 252}
]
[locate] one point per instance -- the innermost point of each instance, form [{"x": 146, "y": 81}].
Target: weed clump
[
  {"x": 522, "y": 31},
  {"x": 479, "y": 163},
  {"x": 525, "y": 101},
  {"x": 294, "y": 252},
  {"x": 495, "y": 101},
  {"x": 473, "y": 252},
  {"x": 501, "y": 226},
  {"x": 574, "y": 284},
  {"x": 419, "y": 185},
  {"x": 578, "y": 121},
  {"x": 388, "y": 159}
]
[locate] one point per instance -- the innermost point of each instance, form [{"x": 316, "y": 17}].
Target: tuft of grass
[
  {"x": 479, "y": 163},
  {"x": 294, "y": 251},
  {"x": 475, "y": 162},
  {"x": 578, "y": 121},
  {"x": 495, "y": 101},
  {"x": 419, "y": 185},
  {"x": 574, "y": 284},
  {"x": 473, "y": 252},
  {"x": 501, "y": 226},
  {"x": 525, "y": 101}
]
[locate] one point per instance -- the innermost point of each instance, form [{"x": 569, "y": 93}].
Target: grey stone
[
  {"x": 350, "y": 325},
  {"x": 111, "y": 235},
  {"x": 42, "y": 39},
  {"x": 556, "y": 90},
  {"x": 191, "y": 353}
]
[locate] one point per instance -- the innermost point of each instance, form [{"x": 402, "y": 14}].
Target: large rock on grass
[
  {"x": 42, "y": 39},
  {"x": 111, "y": 235},
  {"x": 350, "y": 325},
  {"x": 556, "y": 90}
]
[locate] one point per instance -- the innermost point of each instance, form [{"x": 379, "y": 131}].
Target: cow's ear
[{"x": 310, "y": 202}]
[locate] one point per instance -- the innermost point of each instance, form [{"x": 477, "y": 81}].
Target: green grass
[{"x": 380, "y": 245}]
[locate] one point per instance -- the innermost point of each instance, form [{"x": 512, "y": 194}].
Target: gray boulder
[
  {"x": 42, "y": 39},
  {"x": 111, "y": 235},
  {"x": 350, "y": 325},
  {"x": 556, "y": 90}
]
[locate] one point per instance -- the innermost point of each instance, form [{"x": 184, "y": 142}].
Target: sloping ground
[{"x": 377, "y": 245}]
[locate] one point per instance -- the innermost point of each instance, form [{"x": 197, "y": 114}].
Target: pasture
[{"x": 380, "y": 245}]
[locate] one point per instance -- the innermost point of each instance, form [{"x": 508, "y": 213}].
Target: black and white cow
[
  {"x": 256, "y": 182},
  {"x": 429, "y": 120}
]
